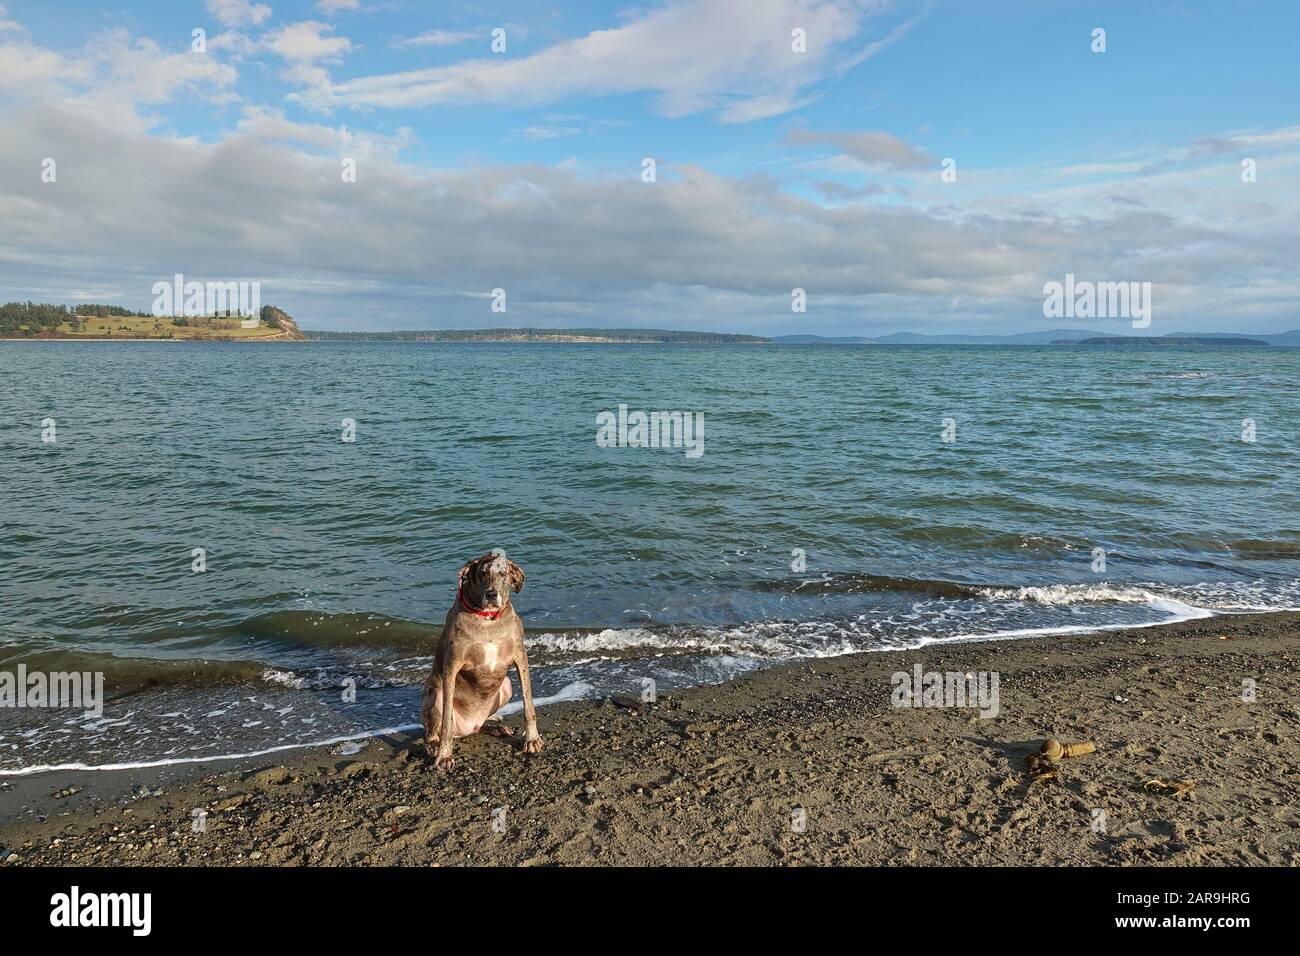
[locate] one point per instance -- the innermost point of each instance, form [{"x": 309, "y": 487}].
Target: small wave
[
  {"x": 1266, "y": 549},
  {"x": 129, "y": 675},
  {"x": 1060, "y": 594},
  {"x": 578, "y": 690},
  {"x": 284, "y": 679},
  {"x": 614, "y": 640},
  {"x": 1176, "y": 609},
  {"x": 770, "y": 639},
  {"x": 324, "y": 629},
  {"x": 174, "y": 761},
  {"x": 366, "y": 676},
  {"x": 1196, "y": 600},
  {"x": 1243, "y": 596},
  {"x": 860, "y": 583}
]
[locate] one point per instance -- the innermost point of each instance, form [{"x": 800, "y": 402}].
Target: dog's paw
[
  {"x": 445, "y": 762},
  {"x": 533, "y": 745}
]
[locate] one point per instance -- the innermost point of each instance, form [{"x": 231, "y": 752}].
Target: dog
[{"x": 481, "y": 638}]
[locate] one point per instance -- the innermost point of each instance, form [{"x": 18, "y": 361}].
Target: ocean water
[{"x": 826, "y": 515}]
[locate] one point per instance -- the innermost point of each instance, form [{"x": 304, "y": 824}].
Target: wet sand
[{"x": 807, "y": 763}]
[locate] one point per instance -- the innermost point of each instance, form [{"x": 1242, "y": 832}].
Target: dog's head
[{"x": 486, "y": 582}]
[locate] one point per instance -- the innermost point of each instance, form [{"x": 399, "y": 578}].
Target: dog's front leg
[
  {"x": 447, "y": 733},
  {"x": 532, "y": 739}
]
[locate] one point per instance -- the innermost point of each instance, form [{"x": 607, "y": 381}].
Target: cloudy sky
[{"x": 778, "y": 163}]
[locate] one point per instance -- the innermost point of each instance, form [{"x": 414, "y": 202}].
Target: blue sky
[{"x": 776, "y": 168}]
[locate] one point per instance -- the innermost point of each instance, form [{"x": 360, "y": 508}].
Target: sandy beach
[{"x": 802, "y": 764}]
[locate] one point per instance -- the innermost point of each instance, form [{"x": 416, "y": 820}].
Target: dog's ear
[
  {"x": 465, "y": 571},
  {"x": 516, "y": 576}
]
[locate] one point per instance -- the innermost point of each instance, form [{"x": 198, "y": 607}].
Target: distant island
[
  {"x": 822, "y": 340},
  {"x": 38, "y": 320},
  {"x": 597, "y": 336},
  {"x": 1159, "y": 341}
]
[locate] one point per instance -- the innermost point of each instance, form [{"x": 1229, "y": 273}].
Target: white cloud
[
  {"x": 693, "y": 55},
  {"x": 114, "y": 71},
  {"x": 271, "y": 126},
  {"x": 440, "y": 38},
  {"x": 145, "y": 73},
  {"x": 236, "y": 13},
  {"x": 1240, "y": 142},
  {"x": 110, "y": 79},
  {"x": 540, "y": 133},
  {"x": 305, "y": 46},
  {"x": 868, "y": 148},
  {"x": 26, "y": 68},
  {"x": 838, "y": 192},
  {"x": 334, "y": 6},
  {"x": 7, "y": 25},
  {"x": 306, "y": 42},
  {"x": 233, "y": 41}
]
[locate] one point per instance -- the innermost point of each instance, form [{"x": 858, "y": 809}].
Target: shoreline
[
  {"x": 713, "y": 774},
  {"x": 268, "y": 747}
]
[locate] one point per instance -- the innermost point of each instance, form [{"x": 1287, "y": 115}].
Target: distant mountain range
[
  {"x": 1049, "y": 337},
  {"x": 1167, "y": 341}
]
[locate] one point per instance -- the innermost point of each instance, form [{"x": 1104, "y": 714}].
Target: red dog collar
[{"x": 490, "y": 615}]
